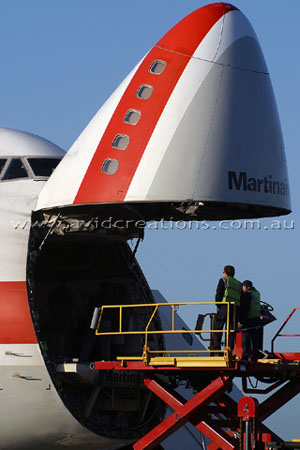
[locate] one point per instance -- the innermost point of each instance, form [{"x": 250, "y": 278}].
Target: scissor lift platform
[
  {"x": 226, "y": 423},
  {"x": 211, "y": 410}
]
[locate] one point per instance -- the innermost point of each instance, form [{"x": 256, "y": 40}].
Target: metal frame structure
[
  {"x": 211, "y": 410},
  {"x": 150, "y": 328},
  {"x": 229, "y": 425},
  {"x": 278, "y": 334}
]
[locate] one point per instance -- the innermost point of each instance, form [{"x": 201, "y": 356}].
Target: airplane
[{"x": 192, "y": 133}]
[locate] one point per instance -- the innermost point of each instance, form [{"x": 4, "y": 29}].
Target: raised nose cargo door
[{"x": 193, "y": 131}]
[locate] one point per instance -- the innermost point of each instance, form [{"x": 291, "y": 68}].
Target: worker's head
[
  {"x": 246, "y": 285},
  {"x": 229, "y": 271}
]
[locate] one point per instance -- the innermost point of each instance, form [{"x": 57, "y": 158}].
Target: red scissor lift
[{"x": 227, "y": 424}]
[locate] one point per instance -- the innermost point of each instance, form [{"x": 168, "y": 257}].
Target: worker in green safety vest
[
  {"x": 228, "y": 290},
  {"x": 250, "y": 321}
]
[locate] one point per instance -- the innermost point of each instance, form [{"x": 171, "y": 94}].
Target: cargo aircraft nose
[{"x": 194, "y": 127}]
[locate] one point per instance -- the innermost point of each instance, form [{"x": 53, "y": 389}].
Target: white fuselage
[{"x": 33, "y": 414}]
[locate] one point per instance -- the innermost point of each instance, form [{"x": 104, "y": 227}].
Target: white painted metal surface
[
  {"x": 33, "y": 415},
  {"x": 75, "y": 164},
  {"x": 217, "y": 138}
]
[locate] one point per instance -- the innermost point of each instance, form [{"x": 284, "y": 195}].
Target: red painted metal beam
[
  {"x": 166, "y": 394},
  {"x": 174, "y": 400},
  {"x": 215, "y": 446},
  {"x": 253, "y": 369},
  {"x": 183, "y": 414},
  {"x": 288, "y": 356},
  {"x": 141, "y": 366},
  {"x": 220, "y": 439}
]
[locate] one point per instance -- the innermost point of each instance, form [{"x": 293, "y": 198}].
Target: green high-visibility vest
[
  {"x": 254, "y": 311},
  {"x": 233, "y": 289}
]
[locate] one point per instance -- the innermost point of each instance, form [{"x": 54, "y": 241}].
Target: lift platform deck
[{"x": 228, "y": 424}]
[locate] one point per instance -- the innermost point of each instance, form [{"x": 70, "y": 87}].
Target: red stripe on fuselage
[
  {"x": 190, "y": 31},
  {"x": 16, "y": 325},
  {"x": 176, "y": 49}
]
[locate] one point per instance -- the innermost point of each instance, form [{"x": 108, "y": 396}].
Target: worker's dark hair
[
  {"x": 247, "y": 283},
  {"x": 229, "y": 270}
]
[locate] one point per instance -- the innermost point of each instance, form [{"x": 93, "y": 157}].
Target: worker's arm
[{"x": 220, "y": 291}]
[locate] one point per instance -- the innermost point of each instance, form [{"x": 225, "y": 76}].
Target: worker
[
  {"x": 228, "y": 290},
  {"x": 250, "y": 321}
]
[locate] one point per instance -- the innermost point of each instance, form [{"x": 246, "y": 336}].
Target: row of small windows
[
  {"x": 17, "y": 168},
  {"x": 132, "y": 117}
]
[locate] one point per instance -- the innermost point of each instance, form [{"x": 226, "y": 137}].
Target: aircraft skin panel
[
  {"x": 217, "y": 142},
  {"x": 227, "y": 142},
  {"x": 33, "y": 414},
  {"x": 15, "y": 323},
  {"x": 74, "y": 165},
  {"x": 17, "y": 143},
  {"x": 34, "y": 408},
  {"x": 186, "y": 35},
  {"x": 18, "y": 198},
  {"x": 211, "y": 122},
  {"x": 228, "y": 29},
  {"x": 164, "y": 131},
  {"x": 177, "y": 48},
  {"x": 99, "y": 186}
]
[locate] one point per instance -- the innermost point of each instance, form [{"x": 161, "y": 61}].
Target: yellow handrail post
[
  {"x": 227, "y": 327},
  {"x": 211, "y": 336},
  {"x": 146, "y": 355},
  {"x": 173, "y": 316},
  {"x": 148, "y": 324},
  {"x": 120, "y": 319}
]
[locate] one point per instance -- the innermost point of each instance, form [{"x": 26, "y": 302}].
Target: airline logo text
[{"x": 266, "y": 185}]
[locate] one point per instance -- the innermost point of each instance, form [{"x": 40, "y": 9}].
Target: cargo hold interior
[{"x": 70, "y": 271}]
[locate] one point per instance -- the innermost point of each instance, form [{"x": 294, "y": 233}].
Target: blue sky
[{"x": 61, "y": 59}]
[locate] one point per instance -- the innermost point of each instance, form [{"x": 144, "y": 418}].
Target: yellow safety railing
[{"x": 119, "y": 329}]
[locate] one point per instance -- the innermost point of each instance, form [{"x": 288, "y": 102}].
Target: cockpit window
[
  {"x": 43, "y": 167},
  {"x": 2, "y": 164},
  {"x": 15, "y": 170}
]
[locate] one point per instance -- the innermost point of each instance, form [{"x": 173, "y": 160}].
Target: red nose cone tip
[{"x": 189, "y": 32}]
